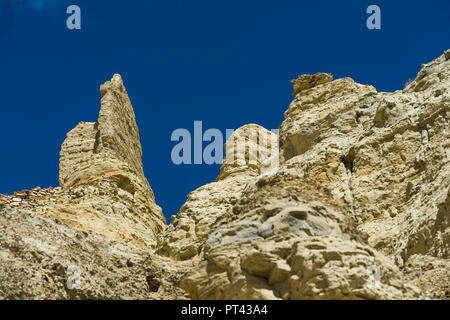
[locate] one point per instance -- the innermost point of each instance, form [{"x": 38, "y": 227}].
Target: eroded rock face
[
  {"x": 37, "y": 254},
  {"x": 185, "y": 237},
  {"x": 363, "y": 185},
  {"x": 101, "y": 164},
  {"x": 353, "y": 203},
  {"x": 385, "y": 155},
  {"x": 251, "y": 150},
  {"x": 308, "y": 81}
]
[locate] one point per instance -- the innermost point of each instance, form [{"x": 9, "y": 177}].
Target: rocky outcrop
[
  {"x": 40, "y": 256},
  {"x": 185, "y": 237},
  {"x": 286, "y": 238},
  {"x": 363, "y": 185},
  {"x": 101, "y": 164},
  {"x": 384, "y": 155},
  {"x": 308, "y": 81},
  {"x": 102, "y": 221},
  {"x": 353, "y": 203}
]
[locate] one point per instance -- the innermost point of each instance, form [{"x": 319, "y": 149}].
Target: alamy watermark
[
  {"x": 252, "y": 145},
  {"x": 73, "y": 278}
]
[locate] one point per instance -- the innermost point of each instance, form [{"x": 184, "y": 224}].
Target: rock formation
[
  {"x": 37, "y": 252},
  {"x": 101, "y": 164},
  {"x": 185, "y": 237},
  {"x": 357, "y": 207}
]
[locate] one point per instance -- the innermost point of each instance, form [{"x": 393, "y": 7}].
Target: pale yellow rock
[
  {"x": 430, "y": 274},
  {"x": 353, "y": 203},
  {"x": 248, "y": 151},
  {"x": 36, "y": 253},
  {"x": 385, "y": 155},
  {"x": 308, "y": 81},
  {"x": 364, "y": 180},
  {"x": 101, "y": 163}
]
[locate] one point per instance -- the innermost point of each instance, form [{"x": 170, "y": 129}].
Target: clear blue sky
[{"x": 226, "y": 63}]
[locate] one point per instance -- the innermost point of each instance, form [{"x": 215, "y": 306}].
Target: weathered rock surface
[
  {"x": 36, "y": 253},
  {"x": 185, "y": 237},
  {"x": 430, "y": 274},
  {"x": 357, "y": 207},
  {"x": 385, "y": 155},
  {"x": 363, "y": 185},
  {"x": 101, "y": 164},
  {"x": 308, "y": 81},
  {"x": 287, "y": 239}
]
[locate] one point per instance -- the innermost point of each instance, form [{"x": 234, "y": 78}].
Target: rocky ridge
[
  {"x": 358, "y": 206},
  {"x": 101, "y": 164}
]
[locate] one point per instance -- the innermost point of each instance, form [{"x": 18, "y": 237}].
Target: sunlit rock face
[
  {"x": 362, "y": 193},
  {"x": 351, "y": 200},
  {"x": 250, "y": 151},
  {"x": 101, "y": 163}
]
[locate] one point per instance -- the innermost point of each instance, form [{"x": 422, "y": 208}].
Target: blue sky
[{"x": 226, "y": 63}]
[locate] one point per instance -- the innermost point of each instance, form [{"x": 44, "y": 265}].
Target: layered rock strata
[
  {"x": 353, "y": 203},
  {"x": 100, "y": 163}
]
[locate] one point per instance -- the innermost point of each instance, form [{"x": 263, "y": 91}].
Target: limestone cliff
[
  {"x": 102, "y": 184},
  {"x": 185, "y": 237},
  {"x": 358, "y": 206}
]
